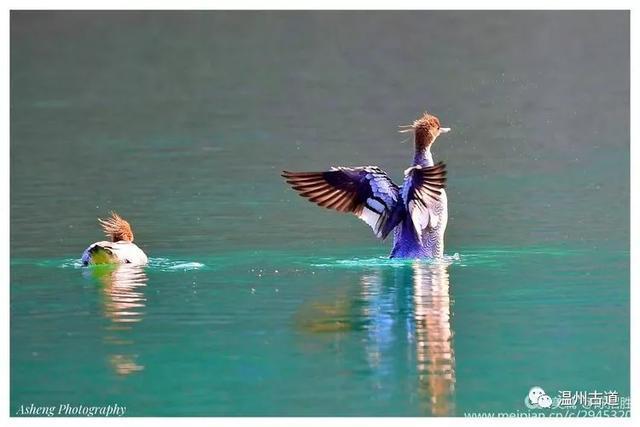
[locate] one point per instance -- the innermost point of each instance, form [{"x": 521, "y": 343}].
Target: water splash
[
  {"x": 472, "y": 257},
  {"x": 166, "y": 264},
  {"x": 382, "y": 262},
  {"x": 155, "y": 264},
  {"x": 287, "y": 261}
]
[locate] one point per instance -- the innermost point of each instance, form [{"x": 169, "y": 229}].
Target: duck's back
[{"x": 122, "y": 252}]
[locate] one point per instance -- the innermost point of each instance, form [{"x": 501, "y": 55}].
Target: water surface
[{"x": 256, "y": 302}]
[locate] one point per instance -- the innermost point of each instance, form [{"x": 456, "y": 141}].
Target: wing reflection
[{"x": 123, "y": 305}]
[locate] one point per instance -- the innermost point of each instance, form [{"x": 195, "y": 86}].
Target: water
[{"x": 256, "y": 302}]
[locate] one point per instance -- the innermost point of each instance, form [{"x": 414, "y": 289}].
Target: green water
[{"x": 256, "y": 302}]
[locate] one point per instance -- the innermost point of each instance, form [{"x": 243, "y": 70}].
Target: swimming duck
[
  {"x": 417, "y": 212},
  {"x": 120, "y": 250}
]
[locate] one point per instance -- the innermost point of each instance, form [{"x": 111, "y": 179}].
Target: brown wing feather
[
  {"x": 424, "y": 198},
  {"x": 312, "y": 186},
  {"x": 365, "y": 191}
]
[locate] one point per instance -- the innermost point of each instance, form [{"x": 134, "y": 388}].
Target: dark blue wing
[
  {"x": 365, "y": 191},
  {"x": 423, "y": 193}
]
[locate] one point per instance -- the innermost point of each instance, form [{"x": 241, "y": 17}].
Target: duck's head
[{"x": 426, "y": 129}]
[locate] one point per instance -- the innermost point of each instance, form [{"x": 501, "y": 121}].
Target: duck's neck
[
  {"x": 423, "y": 157},
  {"x": 423, "y": 142}
]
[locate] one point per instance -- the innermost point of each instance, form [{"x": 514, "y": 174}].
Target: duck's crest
[{"x": 116, "y": 228}]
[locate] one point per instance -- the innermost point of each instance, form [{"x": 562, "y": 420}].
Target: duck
[
  {"x": 120, "y": 248},
  {"x": 416, "y": 212}
]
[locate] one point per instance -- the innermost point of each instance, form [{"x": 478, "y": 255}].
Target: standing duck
[
  {"x": 417, "y": 212},
  {"x": 119, "y": 250}
]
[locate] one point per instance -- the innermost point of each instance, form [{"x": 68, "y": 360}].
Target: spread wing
[
  {"x": 365, "y": 191},
  {"x": 424, "y": 196}
]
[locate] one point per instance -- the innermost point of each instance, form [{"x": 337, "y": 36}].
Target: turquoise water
[{"x": 256, "y": 302}]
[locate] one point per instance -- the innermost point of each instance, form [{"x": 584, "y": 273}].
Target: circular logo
[{"x": 538, "y": 399}]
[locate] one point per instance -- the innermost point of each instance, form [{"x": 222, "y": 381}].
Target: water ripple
[{"x": 155, "y": 264}]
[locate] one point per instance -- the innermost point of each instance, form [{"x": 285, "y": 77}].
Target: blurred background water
[{"x": 255, "y": 301}]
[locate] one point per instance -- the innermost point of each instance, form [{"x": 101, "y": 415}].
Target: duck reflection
[
  {"x": 404, "y": 312},
  {"x": 122, "y": 288},
  {"x": 433, "y": 336},
  {"x": 413, "y": 306}
]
